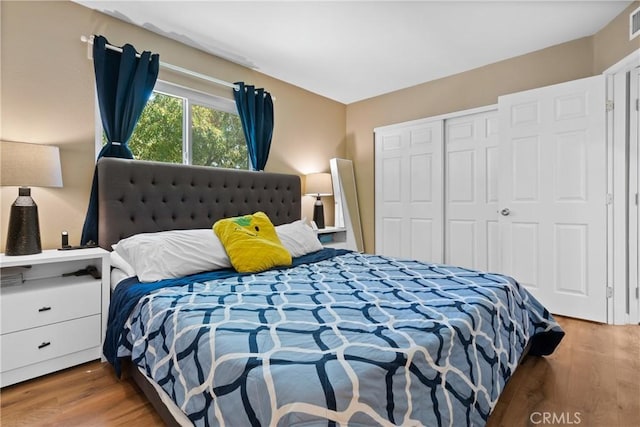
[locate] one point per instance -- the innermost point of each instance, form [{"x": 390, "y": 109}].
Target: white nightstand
[
  {"x": 333, "y": 237},
  {"x": 50, "y": 321}
]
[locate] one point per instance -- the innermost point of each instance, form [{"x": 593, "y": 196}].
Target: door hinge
[
  {"x": 637, "y": 292},
  {"x": 609, "y": 105},
  {"x": 609, "y": 198},
  {"x": 636, "y": 199},
  {"x": 609, "y": 292},
  {"x": 637, "y": 104}
]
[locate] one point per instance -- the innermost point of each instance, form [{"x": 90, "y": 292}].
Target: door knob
[{"x": 505, "y": 212}]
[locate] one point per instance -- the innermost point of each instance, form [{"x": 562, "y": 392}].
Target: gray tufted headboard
[{"x": 141, "y": 197}]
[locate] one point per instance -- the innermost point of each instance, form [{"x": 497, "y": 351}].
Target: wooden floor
[{"x": 593, "y": 379}]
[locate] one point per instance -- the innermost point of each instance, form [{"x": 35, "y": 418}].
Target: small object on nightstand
[
  {"x": 64, "y": 240},
  {"x": 89, "y": 271},
  {"x": 325, "y": 238}
]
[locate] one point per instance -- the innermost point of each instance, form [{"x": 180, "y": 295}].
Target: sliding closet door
[
  {"x": 553, "y": 195},
  {"x": 408, "y": 189},
  {"x": 471, "y": 191}
]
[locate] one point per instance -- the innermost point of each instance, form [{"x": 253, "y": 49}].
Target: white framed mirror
[{"x": 347, "y": 213}]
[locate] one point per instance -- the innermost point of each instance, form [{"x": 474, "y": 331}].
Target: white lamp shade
[
  {"x": 29, "y": 165},
  {"x": 318, "y": 184}
]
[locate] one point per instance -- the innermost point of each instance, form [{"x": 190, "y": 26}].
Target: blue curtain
[
  {"x": 124, "y": 84},
  {"x": 255, "y": 108}
]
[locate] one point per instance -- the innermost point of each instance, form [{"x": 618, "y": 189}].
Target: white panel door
[
  {"x": 408, "y": 188},
  {"x": 471, "y": 191},
  {"x": 553, "y": 195}
]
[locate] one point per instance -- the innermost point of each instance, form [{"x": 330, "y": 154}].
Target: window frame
[{"x": 189, "y": 97}]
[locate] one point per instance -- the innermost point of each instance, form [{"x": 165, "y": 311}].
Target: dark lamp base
[
  {"x": 23, "y": 235},
  {"x": 318, "y": 213}
]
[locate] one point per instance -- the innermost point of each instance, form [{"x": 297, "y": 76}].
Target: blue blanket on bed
[
  {"x": 130, "y": 290},
  {"x": 352, "y": 339}
]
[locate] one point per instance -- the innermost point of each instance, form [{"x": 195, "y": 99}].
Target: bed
[{"x": 337, "y": 338}]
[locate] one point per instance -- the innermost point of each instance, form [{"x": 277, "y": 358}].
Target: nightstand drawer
[
  {"x": 47, "y": 342},
  {"x": 46, "y": 301}
]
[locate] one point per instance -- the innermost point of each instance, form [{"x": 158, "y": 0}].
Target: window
[{"x": 179, "y": 125}]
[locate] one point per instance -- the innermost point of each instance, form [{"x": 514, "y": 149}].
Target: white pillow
[
  {"x": 118, "y": 262},
  {"x": 298, "y": 238},
  {"x": 175, "y": 253}
]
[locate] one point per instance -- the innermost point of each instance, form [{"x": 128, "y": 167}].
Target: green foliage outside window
[
  {"x": 217, "y": 138},
  {"x": 158, "y": 134}
]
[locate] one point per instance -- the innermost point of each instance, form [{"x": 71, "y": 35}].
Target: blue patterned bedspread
[{"x": 356, "y": 340}]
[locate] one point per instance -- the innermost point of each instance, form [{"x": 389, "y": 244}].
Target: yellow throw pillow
[{"x": 252, "y": 243}]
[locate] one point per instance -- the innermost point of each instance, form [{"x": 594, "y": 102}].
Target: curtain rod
[{"x": 89, "y": 41}]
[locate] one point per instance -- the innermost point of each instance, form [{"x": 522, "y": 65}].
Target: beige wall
[
  {"x": 611, "y": 44},
  {"x": 47, "y": 96},
  {"x": 475, "y": 88}
]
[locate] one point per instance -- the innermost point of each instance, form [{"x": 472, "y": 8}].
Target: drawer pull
[
  {"x": 44, "y": 344},
  {"x": 44, "y": 309}
]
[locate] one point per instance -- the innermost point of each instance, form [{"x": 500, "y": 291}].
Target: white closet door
[
  {"x": 471, "y": 191},
  {"x": 553, "y": 195},
  {"x": 409, "y": 191}
]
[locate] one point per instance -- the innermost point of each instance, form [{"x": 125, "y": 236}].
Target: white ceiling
[{"x": 353, "y": 50}]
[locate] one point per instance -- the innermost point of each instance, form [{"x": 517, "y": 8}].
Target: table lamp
[
  {"x": 318, "y": 184},
  {"x": 27, "y": 165}
]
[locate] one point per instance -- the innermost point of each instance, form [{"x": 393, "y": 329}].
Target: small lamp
[
  {"x": 318, "y": 184},
  {"x": 27, "y": 165}
]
